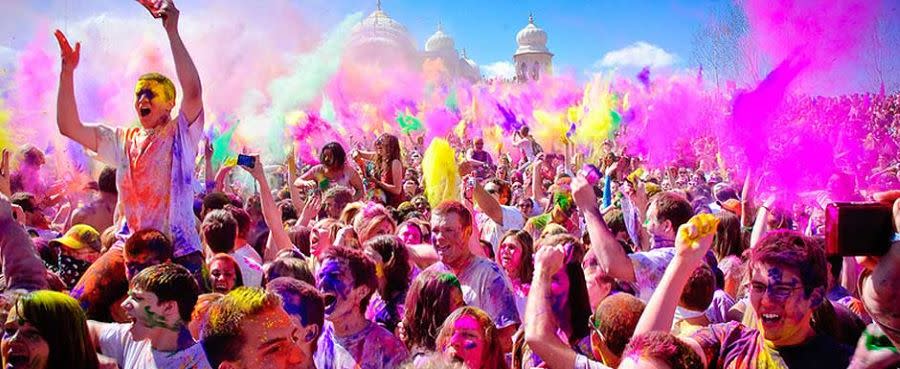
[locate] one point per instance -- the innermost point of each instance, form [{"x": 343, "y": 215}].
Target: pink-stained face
[
  {"x": 410, "y": 234},
  {"x": 467, "y": 343},
  {"x": 509, "y": 256}
]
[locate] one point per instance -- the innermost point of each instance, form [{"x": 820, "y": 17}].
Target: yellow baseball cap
[{"x": 79, "y": 237}]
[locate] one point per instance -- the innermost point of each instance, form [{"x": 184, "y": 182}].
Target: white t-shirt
[
  {"x": 491, "y": 231},
  {"x": 248, "y": 252},
  {"x": 117, "y": 343},
  {"x": 486, "y": 287},
  {"x": 251, "y": 270}
]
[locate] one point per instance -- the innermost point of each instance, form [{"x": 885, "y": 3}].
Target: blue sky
[{"x": 580, "y": 32}]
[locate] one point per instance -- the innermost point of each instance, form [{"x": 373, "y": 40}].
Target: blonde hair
[{"x": 369, "y": 218}]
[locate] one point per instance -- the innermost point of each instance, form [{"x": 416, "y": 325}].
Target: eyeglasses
[{"x": 778, "y": 292}]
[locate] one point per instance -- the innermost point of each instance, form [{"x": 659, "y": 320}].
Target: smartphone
[
  {"x": 858, "y": 229},
  {"x": 246, "y": 161},
  {"x": 150, "y": 6}
]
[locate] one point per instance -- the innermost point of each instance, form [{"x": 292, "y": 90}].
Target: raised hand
[
  {"x": 169, "y": 14},
  {"x": 550, "y": 259},
  {"x": 69, "y": 56},
  {"x": 583, "y": 193},
  {"x": 5, "y": 174},
  {"x": 695, "y": 237},
  {"x": 257, "y": 171}
]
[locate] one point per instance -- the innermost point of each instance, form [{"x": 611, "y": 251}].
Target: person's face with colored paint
[
  {"x": 598, "y": 285},
  {"x": 525, "y": 206},
  {"x": 147, "y": 313},
  {"x": 335, "y": 281},
  {"x": 782, "y": 308},
  {"x": 410, "y": 234},
  {"x": 23, "y": 346},
  {"x": 467, "y": 343},
  {"x": 328, "y": 159},
  {"x": 655, "y": 227},
  {"x": 422, "y": 205},
  {"x": 152, "y": 104},
  {"x": 134, "y": 264},
  {"x": 270, "y": 341},
  {"x": 222, "y": 276},
  {"x": 509, "y": 256},
  {"x": 319, "y": 240},
  {"x": 449, "y": 237}
]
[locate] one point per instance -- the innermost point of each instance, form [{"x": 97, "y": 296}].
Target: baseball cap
[{"x": 79, "y": 237}]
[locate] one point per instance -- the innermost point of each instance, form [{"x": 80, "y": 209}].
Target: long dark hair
[
  {"x": 62, "y": 325},
  {"x": 526, "y": 266},
  {"x": 396, "y": 274},
  {"x": 728, "y": 240},
  {"x": 383, "y": 163},
  {"x": 428, "y": 304},
  {"x": 338, "y": 156},
  {"x": 238, "y": 276},
  {"x": 579, "y": 303}
]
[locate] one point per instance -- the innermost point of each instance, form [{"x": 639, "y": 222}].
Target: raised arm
[
  {"x": 21, "y": 265},
  {"x": 293, "y": 173},
  {"x": 690, "y": 249},
  {"x": 537, "y": 182},
  {"x": 67, "y": 119},
  {"x": 612, "y": 258},
  {"x": 5, "y": 186},
  {"x": 188, "y": 77},
  {"x": 540, "y": 324},
  {"x": 270, "y": 211},
  {"x": 487, "y": 203}
]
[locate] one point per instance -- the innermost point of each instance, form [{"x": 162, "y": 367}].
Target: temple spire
[
  {"x": 378, "y": 5},
  {"x": 531, "y": 18}
]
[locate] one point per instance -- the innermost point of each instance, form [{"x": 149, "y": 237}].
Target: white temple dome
[
  {"x": 379, "y": 32},
  {"x": 531, "y": 39},
  {"x": 440, "y": 41},
  {"x": 470, "y": 69}
]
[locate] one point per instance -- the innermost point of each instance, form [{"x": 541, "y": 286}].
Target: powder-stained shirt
[
  {"x": 491, "y": 231},
  {"x": 371, "y": 348},
  {"x": 484, "y": 286},
  {"x": 734, "y": 346},
  {"x": 117, "y": 343},
  {"x": 155, "y": 178},
  {"x": 649, "y": 267}
]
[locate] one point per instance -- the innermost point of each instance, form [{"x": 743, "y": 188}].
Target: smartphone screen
[
  {"x": 246, "y": 161},
  {"x": 858, "y": 229}
]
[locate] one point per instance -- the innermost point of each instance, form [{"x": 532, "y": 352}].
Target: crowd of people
[{"x": 546, "y": 261}]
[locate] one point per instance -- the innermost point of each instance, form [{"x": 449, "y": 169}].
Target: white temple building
[
  {"x": 532, "y": 58},
  {"x": 380, "y": 39}
]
